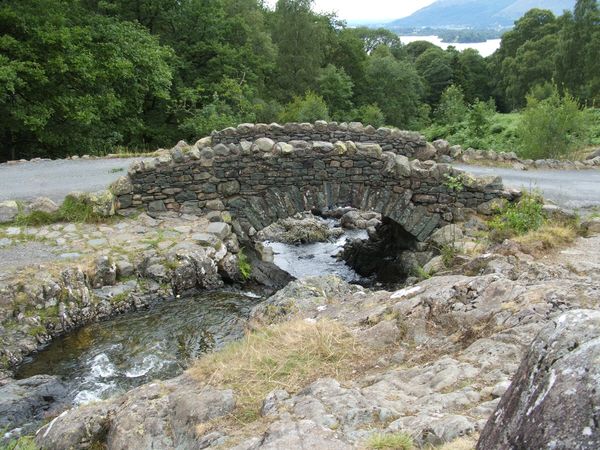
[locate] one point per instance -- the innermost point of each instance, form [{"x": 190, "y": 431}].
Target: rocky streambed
[{"x": 436, "y": 356}]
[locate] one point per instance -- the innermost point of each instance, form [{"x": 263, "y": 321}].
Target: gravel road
[
  {"x": 55, "y": 179},
  {"x": 572, "y": 189}
]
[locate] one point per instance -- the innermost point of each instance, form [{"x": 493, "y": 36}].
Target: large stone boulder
[
  {"x": 42, "y": 204},
  {"x": 159, "y": 415},
  {"x": 554, "y": 399},
  {"x": 8, "y": 211},
  {"x": 300, "y": 229}
]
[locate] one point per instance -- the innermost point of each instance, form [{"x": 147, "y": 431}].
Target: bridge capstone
[{"x": 278, "y": 175}]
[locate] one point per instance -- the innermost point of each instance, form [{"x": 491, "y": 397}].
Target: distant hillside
[{"x": 477, "y": 13}]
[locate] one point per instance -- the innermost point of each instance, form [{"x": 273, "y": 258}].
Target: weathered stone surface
[
  {"x": 447, "y": 235},
  {"x": 220, "y": 229},
  {"x": 304, "y": 229},
  {"x": 8, "y": 211},
  {"x": 229, "y": 188},
  {"x": 442, "y": 147},
  {"x": 26, "y": 400},
  {"x": 492, "y": 207},
  {"x": 592, "y": 225},
  {"x": 104, "y": 273},
  {"x": 264, "y": 145},
  {"x": 102, "y": 202},
  {"x": 426, "y": 152},
  {"x": 122, "y": 186},
  {"x": 157, "y": 415},
  {"x": 42, "y": 204},
  {"x": 554, "y": 397},
  {"x": 157, "y": 206},
  {"x": 205, "y": 239},
  {"x": 157, "y": 272},
  {"x": 195, "y": 270}
]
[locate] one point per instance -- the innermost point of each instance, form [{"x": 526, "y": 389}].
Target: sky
[{"x": 368, "y": 10}]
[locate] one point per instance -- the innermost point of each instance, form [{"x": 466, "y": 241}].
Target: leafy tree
[
  {"x": 474, "y": 75},
  {"x": 433, "y": 66},
  {"x": 336, "y": 88},
  {"x": 578, "y": 66},
  {"x": 417, "y": 48},
  {"x": 396, "y": 87},
  {"x": 374, "y": 37},
  {"x": 531, "y": 65},
  {"x": 302, "y": 38},
  {"x": 452, "y": 108},
  {"x": 309, "y": 108},
  {"x": 525, "y": 57},
  {"x": 551, "y": 128},
  {"x": 479, "y": 117},
  {"x": 348, "y": 54},
  {"x": 74, "y": 82}
]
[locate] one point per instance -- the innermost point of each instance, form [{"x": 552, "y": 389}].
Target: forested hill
[
  {"x": 478, "y": 13},
  {"x": 90, "y": 76}
]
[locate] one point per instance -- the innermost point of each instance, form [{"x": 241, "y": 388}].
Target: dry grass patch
[
  {"x": 284, "y": 356},
  {"x": 463, "y": 443},
  {"x": 547, "y": 237}
]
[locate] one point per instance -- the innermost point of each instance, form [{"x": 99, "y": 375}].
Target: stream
[{"x": 108, "y": 358}]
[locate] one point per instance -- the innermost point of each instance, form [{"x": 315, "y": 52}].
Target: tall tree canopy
[{"x": 85, "y": 76}]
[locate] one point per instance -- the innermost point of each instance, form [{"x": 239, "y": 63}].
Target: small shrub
[
  {"x": 309, "y": 108},
  {"x": 455, "y": 183},
  {"x": 518, "y": 218},
  {"x": 452, "y": 108},
  {"x": 448, "y": 253},
  {"x": 552, "y": 127},
  {"x": 370, "y": 115},
  {"x": 393, "y": 441},
  {"x": 244, "y": 265}
]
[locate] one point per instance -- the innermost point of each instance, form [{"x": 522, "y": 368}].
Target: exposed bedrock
[{"x": 554, "y": 399}]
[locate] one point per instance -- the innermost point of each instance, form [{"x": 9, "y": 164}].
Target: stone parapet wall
[
  {"x": 406, "y": 143},
  {"x": 263, "y": 181}
]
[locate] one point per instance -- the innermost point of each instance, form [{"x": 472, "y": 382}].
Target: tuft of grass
[
  {"x": 244, "y": 265},
  {"x": 72, "y": 210},
  {"x": 391, "y": 441},
  {"x": 76, "y": 210},
  {"x": 420, "y": 273},
  {"x": 547, "y": 237},
  {"x": 116, "y": 170},
  {"x": 286, "y": 356},
  {"x": 448, "y": 253}
]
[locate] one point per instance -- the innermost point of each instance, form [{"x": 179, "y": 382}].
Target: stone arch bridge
[{"x": 260, "y": 180}]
